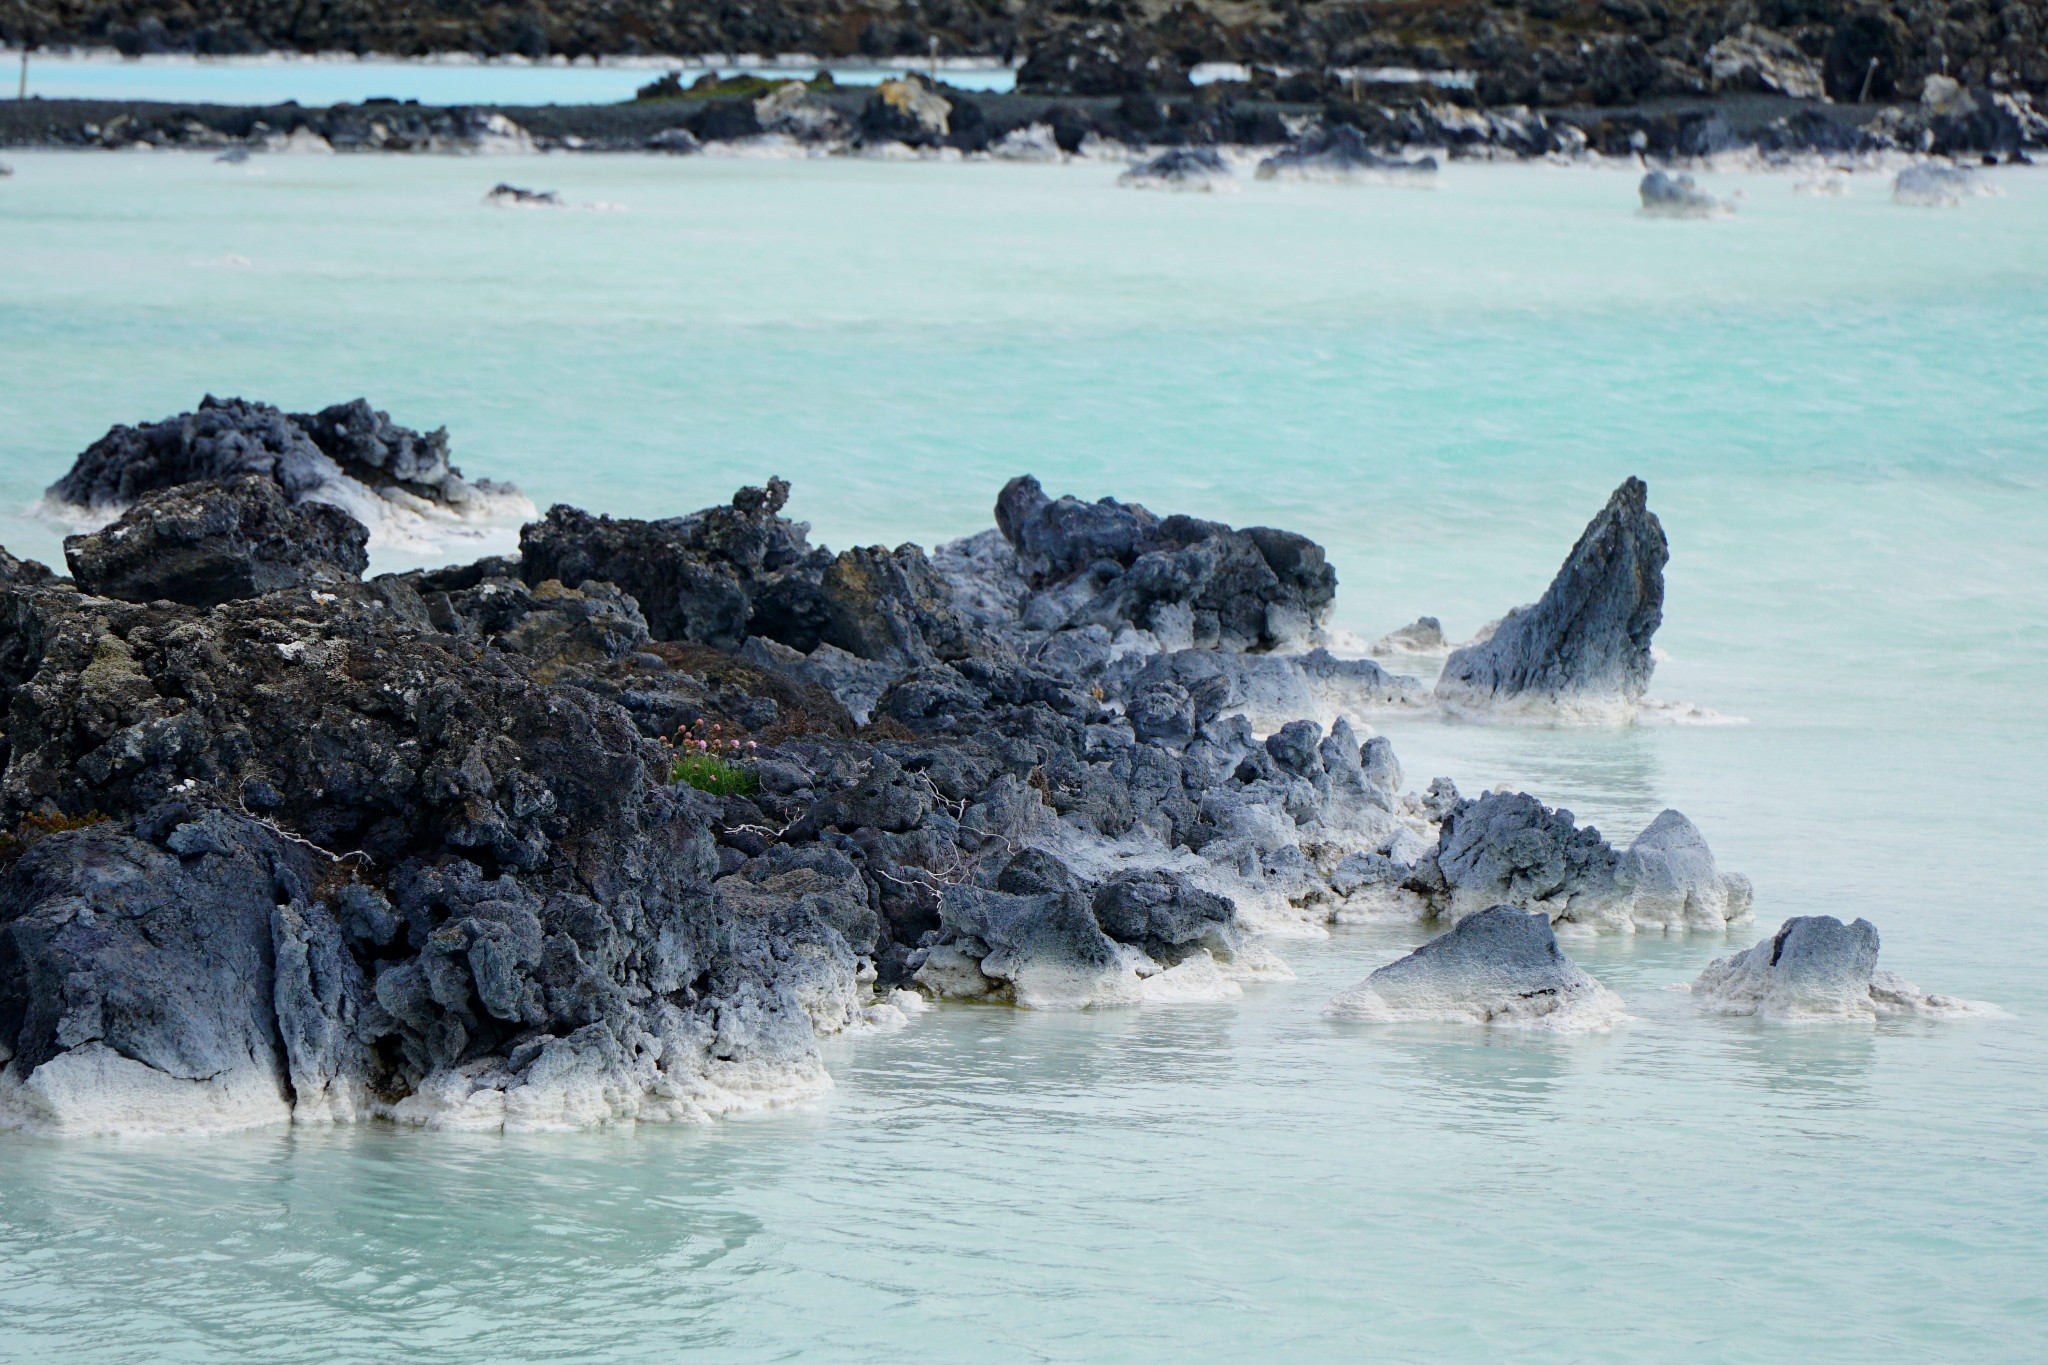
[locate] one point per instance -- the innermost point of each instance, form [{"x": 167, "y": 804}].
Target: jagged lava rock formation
[
  {"x": 1818, "y": 968},
  {"x": 1510, "y": 847},
  {"x": 396, "y": 481},
  {"x": 286, "y": 844},
  {"x": 1584, "y": 648},
  {"x": 1499, "y": 966},
  {"x": 280, "y": 844}
]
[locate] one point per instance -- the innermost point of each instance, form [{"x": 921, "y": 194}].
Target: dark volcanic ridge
[
  {"x": 1375, "y": 136},
  {"x": 1551, "y": 54}
]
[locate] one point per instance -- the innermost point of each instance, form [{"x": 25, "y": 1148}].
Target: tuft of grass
[{"x": 710, "y": 773}]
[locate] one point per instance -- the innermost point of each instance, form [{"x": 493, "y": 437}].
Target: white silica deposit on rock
[
  {"x": 1816, "y": 968},
  {"x": 95, "y": 1091},
  {"x": 1500, "y": 967}
]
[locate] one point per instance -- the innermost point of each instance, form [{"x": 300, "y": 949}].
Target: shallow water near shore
[{"x": 1839, "y": 407}]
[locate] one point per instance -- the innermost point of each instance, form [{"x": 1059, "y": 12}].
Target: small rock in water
[
  {"x": 1424, "y": 636},
  {"x": 1934, "y": 186},
  {"x": 674, "y": 141},
  {"x": 1677, "y": 196},
  {"x": 1508, "y": 847},
  {"x": 1183, "y": 168},
  {"x": 514, "y": 196},
  {"x": 1815, "y": 968},
  {"x": 233, "y": 156},
  {"x": 1342, "y": 154},
  {"x": 1500, "y": 967}
]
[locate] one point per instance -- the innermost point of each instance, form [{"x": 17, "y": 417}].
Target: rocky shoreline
[
  {"x": 916, "y": 118},
  {"x": 1554, "y": 54},
  {"x": 616, "y": 828}
]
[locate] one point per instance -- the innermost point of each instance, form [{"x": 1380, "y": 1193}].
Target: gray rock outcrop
[
  {"x": 137, "y": 990},
  {"x": 1500, "y": 966},
  {"x": 1511, "y": 848},
  {"x": 1817, "y": 968},
  {"x": 392, "y": 479},
  {"x": 207, "y": 543},
  {"x": 618, "y": 828},
  {"x": 1194, "y": 582},
  {"x": 1585, "y": 646}
]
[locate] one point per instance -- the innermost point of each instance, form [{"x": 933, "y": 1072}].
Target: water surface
[
  {"x": 1838, "y": 405},
  {"x": 321, "y": 81}
]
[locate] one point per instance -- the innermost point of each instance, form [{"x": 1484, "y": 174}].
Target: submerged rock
[
  {"x": 1183, "y": 168},
  {"x": 513, "y": 196},
  {"x": 1817, "y": 968},
  {"x": 1678, "y": 196},
  {"x": 1500, "y": 967},
  {"x": 1585, "y": 646},
  {"x": 1342, "y": 154},
  {"x": 207, "y": 543},
  {"x": 1933, "y": 186}
]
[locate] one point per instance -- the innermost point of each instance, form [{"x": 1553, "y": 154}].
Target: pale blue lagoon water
[
  {"x": 334, "y": 80},
  {"x": 1840, "y": 408}
]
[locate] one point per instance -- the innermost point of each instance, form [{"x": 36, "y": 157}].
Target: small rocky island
[{"x": 617, "y": 827}]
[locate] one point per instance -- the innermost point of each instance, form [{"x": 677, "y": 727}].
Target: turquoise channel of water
[
  {"x": 1839, "y": 405},
  {"x": 332, "y": 80}
]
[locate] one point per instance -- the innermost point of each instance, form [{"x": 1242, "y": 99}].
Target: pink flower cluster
[{"x": 710, "y": 739}]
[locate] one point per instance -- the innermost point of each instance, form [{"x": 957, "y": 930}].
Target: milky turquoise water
[
  {"x": 334, "y": 80},
  {"x": 1839, "y": 406}
]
